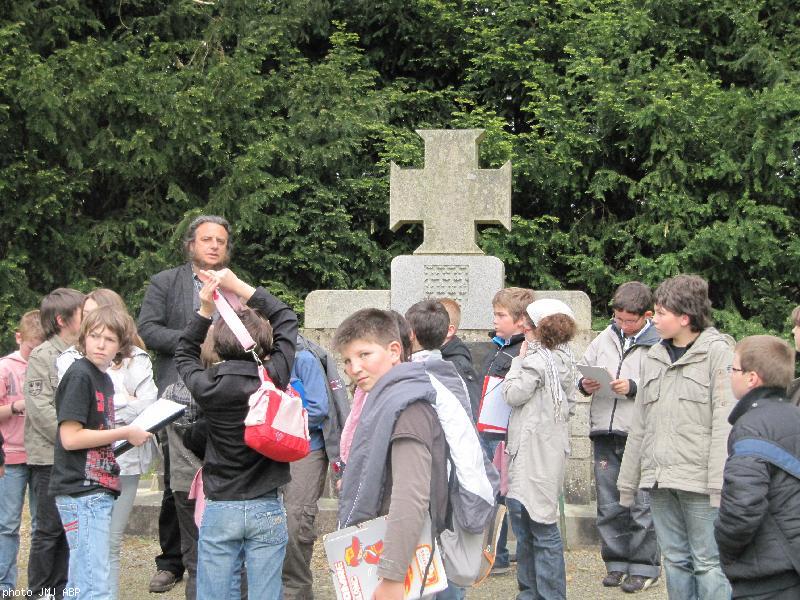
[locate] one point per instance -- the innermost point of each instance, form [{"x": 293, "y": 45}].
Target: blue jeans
[
  {"x": 87, "y": 523},
  {"x": 540, "y": 556},
  {"x": 12, "y": 497},
  {"x": 257, "y": 527},
  {"x": 685, "y": 528},
  {"x": 452, "y": 592},
  {"x": 502, "y": 558}
]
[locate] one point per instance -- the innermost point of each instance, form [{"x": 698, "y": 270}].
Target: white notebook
[{"x": 156, "y": 416}]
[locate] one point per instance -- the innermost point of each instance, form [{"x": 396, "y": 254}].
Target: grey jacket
[
  {"x": 608, "y": 413},
  {"x": 435, "y": 381},
  {"x": 680, "y": 427}
]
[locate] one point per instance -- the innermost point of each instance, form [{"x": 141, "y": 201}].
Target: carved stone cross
[{"x": 451, "y": 195}]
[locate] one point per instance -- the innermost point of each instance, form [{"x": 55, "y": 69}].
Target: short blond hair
[
  {"x": 453, "y": 309},
  {"x": 769, "y": 356},
  {"x": 515, "y": 300},
  {"x": 30, "y": 326}
]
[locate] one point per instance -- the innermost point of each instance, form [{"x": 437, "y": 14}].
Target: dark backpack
[{"x": 338, "y": 398}]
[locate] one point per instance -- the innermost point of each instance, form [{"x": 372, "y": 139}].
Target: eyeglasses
[
  {"x": 731, "y": 368},
  {"x": 619, "y": 321}
]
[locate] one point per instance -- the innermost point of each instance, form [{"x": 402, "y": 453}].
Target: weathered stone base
[{"x": 580, "y": 519}]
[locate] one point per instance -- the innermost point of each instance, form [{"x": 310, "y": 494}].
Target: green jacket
[
  {"x": 680, "y": 427},
  {"x": 41, "y": 381}
]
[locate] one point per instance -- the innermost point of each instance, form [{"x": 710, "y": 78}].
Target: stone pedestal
[{"x": 472, "y": 281}]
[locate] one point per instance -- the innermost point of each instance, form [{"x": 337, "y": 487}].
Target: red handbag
[{"x": 277, "y": 424}]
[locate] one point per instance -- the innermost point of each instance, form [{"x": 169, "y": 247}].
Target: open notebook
[{"x": 156, "y": 416}]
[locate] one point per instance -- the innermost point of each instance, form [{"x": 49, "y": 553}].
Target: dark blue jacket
[{"x": 761, "y": 494}]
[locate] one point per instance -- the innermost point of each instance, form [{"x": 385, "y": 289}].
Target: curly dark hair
[{"x": 555, "y": 330}]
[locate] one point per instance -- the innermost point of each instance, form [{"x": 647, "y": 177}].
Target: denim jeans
[
  {"x": 48, "y": 560},
  {"x": 452, "y": 592},
  {"x": 12, "y": 497},
  {"x": 685, "y": 528},
  {"x": 502, "y": 558},
  {"x": 627, "y": 536},
  {"x": 258, "y": 527},
  {"x": 87, "y": 523},
  {"x": 540, "y": 556}
]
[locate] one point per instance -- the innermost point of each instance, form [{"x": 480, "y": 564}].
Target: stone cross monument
[{"x": 451, "y": 194}]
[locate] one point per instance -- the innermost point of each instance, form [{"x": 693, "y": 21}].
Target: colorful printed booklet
[{"x": 353, "y": 554}]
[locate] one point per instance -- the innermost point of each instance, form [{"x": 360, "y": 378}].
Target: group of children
[{"x": 672, "y": 479}]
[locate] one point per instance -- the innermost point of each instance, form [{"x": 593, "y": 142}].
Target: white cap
[{"x": 545, "y": 307}]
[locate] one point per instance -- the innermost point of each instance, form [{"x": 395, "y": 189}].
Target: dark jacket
[
  {"x": 497, "y": 364},
  {"x": 457, "y": 353},
  {"x": 761, "y": 494},
  {"x": 169, "y": 303},
  {"x": 231, "y": 470}
]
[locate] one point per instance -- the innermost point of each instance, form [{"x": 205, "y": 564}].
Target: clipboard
[
  {"x": 153, "y": 418},
  {"x": 493, "y": 413}
]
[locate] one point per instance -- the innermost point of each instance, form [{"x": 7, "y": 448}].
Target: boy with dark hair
[
  {"x": 757, "y": 526},
  {"x": 627, "y": 538},
  {"x": 61, "y": 312},
  {"x": 508, "y": 307},
  {"x": 676, "y": 444},
  {"x": 429, "y": 321},
  {"x": 400, "y": 438},
  {"x": 457, "y": 352},
  {"x": 12, "y": 427},
  {"x": 85, "y": 476}
]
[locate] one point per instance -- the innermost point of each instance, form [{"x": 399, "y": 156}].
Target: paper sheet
[
  {"x": 494, "y": 411},
  {"x": 601, "y": 376},
  {"x": 156, "y": 416}
]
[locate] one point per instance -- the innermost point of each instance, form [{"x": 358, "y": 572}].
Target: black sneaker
[
  {"x": 637, "y": 583},
  {"x": 500, "y": 569},
  {"x": 614, "y": 579}
]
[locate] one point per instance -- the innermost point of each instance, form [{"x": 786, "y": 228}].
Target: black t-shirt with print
[{"x": 85, "y": 395}]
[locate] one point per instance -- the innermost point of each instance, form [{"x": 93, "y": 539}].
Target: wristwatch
[{"x": 14, "y": 411}]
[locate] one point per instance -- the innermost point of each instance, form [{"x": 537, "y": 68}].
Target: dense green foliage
[{"x": 647, "y": 139}]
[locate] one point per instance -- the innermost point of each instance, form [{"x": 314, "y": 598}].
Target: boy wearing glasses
[
  {"x": 627, "y": 538},
  {"x": 757, "y": 528}
]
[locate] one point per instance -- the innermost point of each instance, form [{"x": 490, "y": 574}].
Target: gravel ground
[{"x": 584, "y": 572}]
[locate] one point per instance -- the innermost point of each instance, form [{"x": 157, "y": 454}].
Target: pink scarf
[{"x": 351, "y": 423}]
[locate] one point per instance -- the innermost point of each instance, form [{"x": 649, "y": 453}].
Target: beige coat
[
  {"x": 680, "y": 429},
  {"x": 41, "y": 381},
  {"x": 538, "y": 434}
]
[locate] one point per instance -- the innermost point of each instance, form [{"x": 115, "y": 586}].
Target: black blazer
[{"x": 168, "y": 305}]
